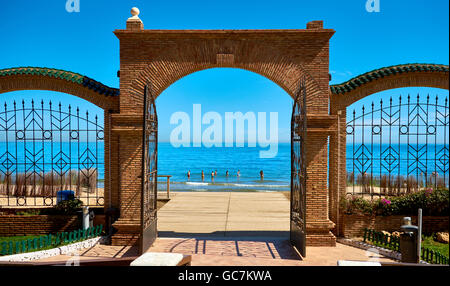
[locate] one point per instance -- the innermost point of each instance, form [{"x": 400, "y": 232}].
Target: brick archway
[
  {"x": 161, "y": 57},
  {"x": 409, "y": 75},
  {"x": 167, "y": 69},
  {"x": 283, "y": 56},
  {"x": 35, "y": 78}
]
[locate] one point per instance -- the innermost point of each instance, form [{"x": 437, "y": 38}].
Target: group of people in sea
[{"x": 227, "y": 174}]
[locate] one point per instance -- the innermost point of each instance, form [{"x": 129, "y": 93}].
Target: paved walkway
[
  {"x": 212, "y": 252},
  {"x": 233, "y": 228},
  {"x": 230, "y": 229},
  {"x": 270, "y": 252},
  {"x": 224, "y": 214}
]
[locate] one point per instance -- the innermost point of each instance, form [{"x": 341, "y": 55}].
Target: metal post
[
  {"x": 85, "y": 217},
  {"x": 109, "y": 160},
  {"x": 419, "y": 234},
  {"x": 168, "y": 186},
  {"x": 338, "y": 200}
]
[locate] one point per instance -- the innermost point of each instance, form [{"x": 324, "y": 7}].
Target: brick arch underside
[
  {"x": 411, "y": 79},
  {"x": 167, "y": 69},
  {"x": 38, "y": 82}
]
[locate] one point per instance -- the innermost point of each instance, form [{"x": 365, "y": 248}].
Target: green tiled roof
[
  {"x": 62, "y": 74},
  {"x": 382, "y": 72}
]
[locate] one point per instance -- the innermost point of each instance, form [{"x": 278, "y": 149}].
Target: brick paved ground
[
  {"x": 226, "y": 252},
  {"x": 258, "y": 248},
  {"x": 258, "y": 251}
]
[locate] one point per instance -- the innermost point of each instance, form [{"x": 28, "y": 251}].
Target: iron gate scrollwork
[
  {"x": 46, "y": 148},
  {"x": 149, "y": 172},
  {"x": 398, "y": 147},
  {"x": 298, "y": 171}
]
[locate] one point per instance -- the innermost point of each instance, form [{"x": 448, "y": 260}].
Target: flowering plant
[
  {"x": 385, "y": 202},
  {"x": 432, "y": 202}
]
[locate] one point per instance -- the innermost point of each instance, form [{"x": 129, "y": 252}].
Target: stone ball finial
[
  {"x": 134, "y": 23},
  {"x": 135, "y": 11}
]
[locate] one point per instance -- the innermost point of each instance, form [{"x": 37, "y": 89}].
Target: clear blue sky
[{"x": 42, "y": 33}]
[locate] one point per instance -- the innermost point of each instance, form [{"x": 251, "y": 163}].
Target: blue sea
[
  {"x": 171, "y": 161},
  {"x": 399, "y": 159},
  {"x": 178, "y": 161}
]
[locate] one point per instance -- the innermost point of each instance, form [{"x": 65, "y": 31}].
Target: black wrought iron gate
[
  {"x": 298, "y": 171},
  {"x": 149, "y": 172}
]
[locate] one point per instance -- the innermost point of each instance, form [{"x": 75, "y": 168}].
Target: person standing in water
[
  {"x": 203, "y": 176},
  {"x": 215, "y": 173},
  {"x": 226, "y": 174},
  {"x": 261, "y": 174},
  {"x": 212, "y": 176},
  {"x": 189, "y": 175},
  {"x": 238, "y": 174}
]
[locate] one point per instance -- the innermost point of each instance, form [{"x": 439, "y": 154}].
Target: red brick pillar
[
  {"x": 127, "y": 146},
  {"x": 318, "y": 224},
  {"x": 338, "y": 173}
]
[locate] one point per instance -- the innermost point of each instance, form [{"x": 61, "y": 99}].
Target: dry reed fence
[
  {"x": 393, "y": 185},
  {"x": 47, "y": 184}
]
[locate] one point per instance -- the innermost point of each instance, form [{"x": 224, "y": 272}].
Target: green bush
[
  {"x": 28, "y": 212},
  {"x": 432, "y": 202},
  {"x": 67, "y": 207},
  {"x": 356, "y": 205}
]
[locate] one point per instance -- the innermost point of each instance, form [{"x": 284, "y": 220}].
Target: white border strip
[{"x": 66, "y": 249}]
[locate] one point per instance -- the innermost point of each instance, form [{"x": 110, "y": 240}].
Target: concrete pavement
[{"x": 225, "y": 214}]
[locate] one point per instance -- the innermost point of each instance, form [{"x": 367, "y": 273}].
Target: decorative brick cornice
[
  {"x": 365, "y": 78},
  {"x": 62, "y": 74}
]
